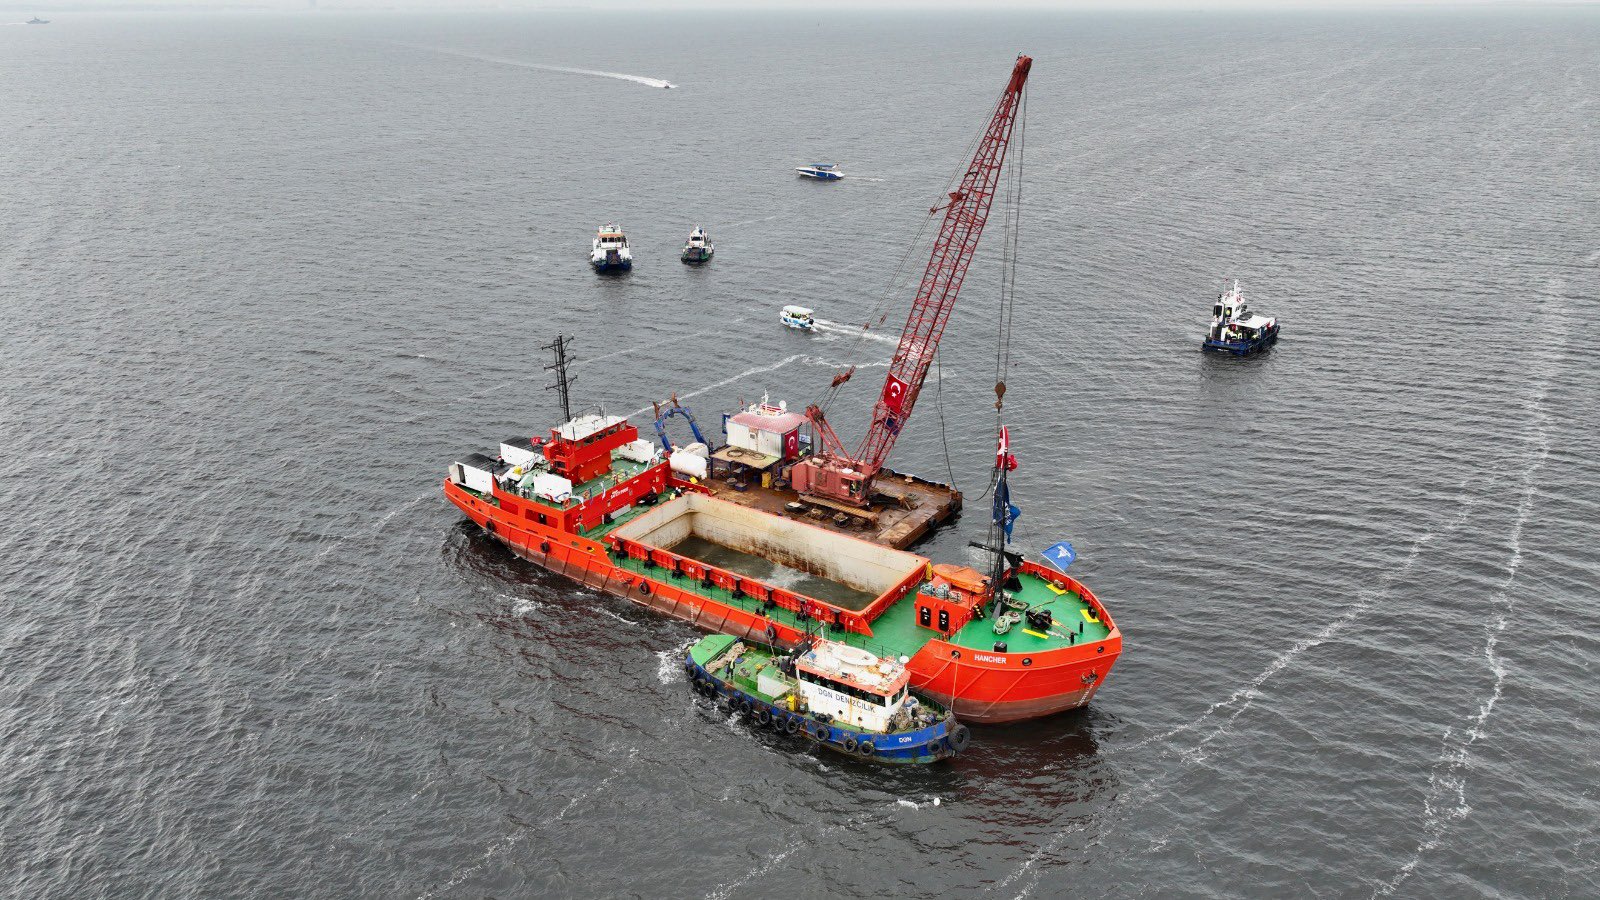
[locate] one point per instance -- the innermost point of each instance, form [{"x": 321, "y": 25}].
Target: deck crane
[{"x": 834, "y": 474}]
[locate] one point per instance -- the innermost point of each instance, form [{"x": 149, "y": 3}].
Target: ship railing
[{"x": 743, "y": 587}]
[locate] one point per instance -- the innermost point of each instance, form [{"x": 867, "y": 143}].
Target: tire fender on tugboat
[{"x": 960, "y": 736}]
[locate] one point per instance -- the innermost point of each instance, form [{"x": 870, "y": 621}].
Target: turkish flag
[
  {"x": 791, "y": 444},
  {"x": 894, "y": 394}
]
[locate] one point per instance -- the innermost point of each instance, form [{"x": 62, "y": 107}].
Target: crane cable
[
  {"x": 1012, "y": 227},
  {"x": 1011, "y": 208}
]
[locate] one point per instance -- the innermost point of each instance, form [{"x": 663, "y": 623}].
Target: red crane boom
[{"x": 838, "y": 475}]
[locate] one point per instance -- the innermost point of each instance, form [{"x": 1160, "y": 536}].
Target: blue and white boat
[
  {"x": 610, "y": 252},
  {"x": 840, "y": 697},
  {"x": 797, "y": 317},
  {"x": 821, "y": 171},
  {"x": 1235, "y": 329}
]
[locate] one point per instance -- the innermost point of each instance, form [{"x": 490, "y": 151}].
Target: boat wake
[
  {"x": 511, "y": 840},
  {"x": 1216, "y": 720},
  {"x": 855, "y": 331},
  {"x": 1445, "y": 802},
  {"x": 669, "y": 663},
  {"x": 522, "y": 64},
  {"x": 761, "y": 370}
]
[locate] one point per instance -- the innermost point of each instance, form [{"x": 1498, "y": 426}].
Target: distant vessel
[
  {"x": 845, "y": 698},
  {"x": 37, "y": 21},
  {"x": 611, "y": 253},
  {"x": 699, "y": 248},
  {"x": 822, "y": 171},
  {"x": 797, "y": 317},
  {"x": 1235, "y": 329}
]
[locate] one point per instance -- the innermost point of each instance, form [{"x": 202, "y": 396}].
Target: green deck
[
  {"x": 621, "y": 470},
  {"x": 746, "y": 675},
  {"x": 896, "y": 632}
]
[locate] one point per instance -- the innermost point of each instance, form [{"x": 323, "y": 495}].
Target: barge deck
[{"x": 907, "y": 510}]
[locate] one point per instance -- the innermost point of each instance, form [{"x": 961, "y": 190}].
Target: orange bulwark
[{"x": 625, "y": 533}]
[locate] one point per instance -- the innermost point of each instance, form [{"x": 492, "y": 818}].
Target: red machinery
[{"x": 834, "y": 473}]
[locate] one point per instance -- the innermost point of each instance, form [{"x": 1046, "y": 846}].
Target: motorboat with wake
[
  {"x": 797, "y": 317},
  {"x": 820, "y": 171}
]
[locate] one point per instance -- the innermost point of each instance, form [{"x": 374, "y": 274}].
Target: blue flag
[
  {"x": 1060, "y": 555},
  {"x": 1005, "y": 514}
]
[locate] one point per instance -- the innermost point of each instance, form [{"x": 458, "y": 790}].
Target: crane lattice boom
[{"x": 964, "y": 218}]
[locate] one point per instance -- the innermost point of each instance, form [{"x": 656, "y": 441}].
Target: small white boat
[
  {"x": 797, "y": 317},
  {"x": 699, "y": 248},
  {"x": 822, "y": 171},
  {"x": 610, "y": 252}
]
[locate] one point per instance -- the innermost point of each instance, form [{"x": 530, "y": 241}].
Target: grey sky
[{"x": 67, "y": 6}]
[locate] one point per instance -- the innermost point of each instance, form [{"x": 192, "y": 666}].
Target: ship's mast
[
  {"x": 1000, "y": 523},
  {"x": 564, "y": 381}
]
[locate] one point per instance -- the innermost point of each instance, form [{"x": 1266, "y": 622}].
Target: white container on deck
[
  {"x": 552, "y": 487},
  {"x": 640, "y": 451},
  {"x": 518, "y": 452}
]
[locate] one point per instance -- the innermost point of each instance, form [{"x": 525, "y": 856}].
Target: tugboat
[
  {"x": 821, "y": 171},
  {"x": 845, "y": 698},
  {"x": 1235, "y": 329},
  {"x": 611, "y": 253},
  {"x": 797, "y": 317},
  {"x": 699, "y": 248}
]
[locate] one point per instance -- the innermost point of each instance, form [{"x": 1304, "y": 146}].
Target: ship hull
[
  {"x": 1242, "y": 348},
  {"x": 992, "y": 694},
  {"x": 977, "y": 686}
]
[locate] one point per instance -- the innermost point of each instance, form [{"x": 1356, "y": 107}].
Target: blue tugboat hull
[
  {"x": 1242, "y": 348},
  {"x": 604, "y": 267},
  {"x": 922, "y": 746}
]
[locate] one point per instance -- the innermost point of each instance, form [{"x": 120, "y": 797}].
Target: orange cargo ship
[
  {"x": 750, "y": 551},
  {"x": 596, "y": 504}
]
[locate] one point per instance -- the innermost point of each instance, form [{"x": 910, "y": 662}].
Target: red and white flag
[
  {"x": 894, "y": 394},
  {"x": 1002, "y": 456}
]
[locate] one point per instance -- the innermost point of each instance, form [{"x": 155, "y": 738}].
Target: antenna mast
[{"x": 563, "y": 381}]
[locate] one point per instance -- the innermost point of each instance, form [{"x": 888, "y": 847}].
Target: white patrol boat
[
  {"x": 820, "y": 171},
  {"x": 610, "y": 252},
  {"x": 797, "y": 317},
  {"x": 699, "y": 248},
  {"x": 1235, "y": 329}
]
